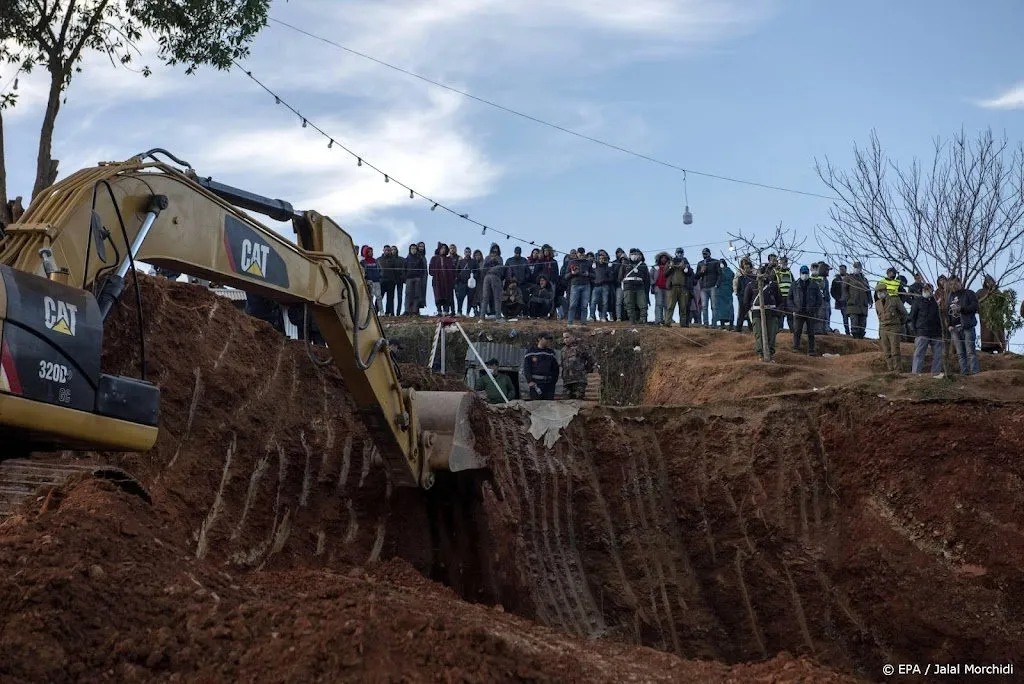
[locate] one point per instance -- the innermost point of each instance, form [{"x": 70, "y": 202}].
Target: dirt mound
[
  {"x": 262, "y": 554},
  {"x": 835, "y": 525}
]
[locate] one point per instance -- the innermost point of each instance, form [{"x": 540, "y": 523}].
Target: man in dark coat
[
  {"x": 541, "y": 300},
  {"x": 540, "y": 368},
  {"x": 857, "y": 295},
  {"x": 415, "y": 271},
  {"x": 836, "y": 290},
  {"x": 805, "y": 303},
  {"x": 927, "y": 326},
  {"x": 518, "y": 266},
  {"x": 465, "y": 269},
  {"x": 708, "y": 274}
]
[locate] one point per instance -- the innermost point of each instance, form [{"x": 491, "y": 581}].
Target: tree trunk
[
  {"x": 5, "y": 213},
  {"x": 46, "y": 168}
]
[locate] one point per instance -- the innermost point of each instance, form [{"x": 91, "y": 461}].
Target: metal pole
[
  {"x": 483, "y": 365},
  {"x": 766, "y": 351},
  {"x": 444, "y": 347},
  {"x": 122, "y": 270}
]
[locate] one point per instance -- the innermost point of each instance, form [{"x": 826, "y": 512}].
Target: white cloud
[
  {"x": 1012, "y": 98},
  {"x": 421, "y": 144}
]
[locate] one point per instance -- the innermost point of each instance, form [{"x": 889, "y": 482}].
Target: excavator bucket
[{"x": 445, "y": 422}]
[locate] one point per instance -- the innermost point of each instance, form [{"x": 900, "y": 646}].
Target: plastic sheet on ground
[{"x": 547, "y": 418}]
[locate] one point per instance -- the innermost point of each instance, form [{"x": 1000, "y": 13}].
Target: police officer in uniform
[{"x": 540, "y": 369}]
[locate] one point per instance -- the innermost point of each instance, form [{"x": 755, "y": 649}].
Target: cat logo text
[
  {"x": 59, "y": 316},
  {"x": 254, "y": 258}
]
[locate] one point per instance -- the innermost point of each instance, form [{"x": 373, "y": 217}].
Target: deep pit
[{"x": 809, "y": 535}]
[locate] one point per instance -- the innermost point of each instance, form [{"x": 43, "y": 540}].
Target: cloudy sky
[{"x": 755, "y": 89}]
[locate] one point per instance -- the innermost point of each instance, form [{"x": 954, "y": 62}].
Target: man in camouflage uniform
[{"x": 577, "y": 361}]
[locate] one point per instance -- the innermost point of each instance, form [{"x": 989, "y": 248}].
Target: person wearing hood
[
  {"x": 476, "y": 292},
  {"x": 415, "y": 267},
  {"x": 466, "y": 270},
  {"x": 392, "y": 278},
  {"x": 442, "y": 270},
  {"x": 927, "y": 325},
  {"x": 857, "y": 295},
  {"x": 580, "y": 276},
  {"x": 724, "y": 310},
  {"x": 421, "y": 249},
  {"x": 531, "y": 265},
  {"x": 636, "y": 283},
  {"x": 680, "y": 289},
  {"x": 739, "y": 285},
  {"x": 516, "y": 265},
  {"x": 546, "y": 266},
  {"x": 371, "y": 271},
  {"x": 708, "y": 275},
  {"x": 542, "y": 299},
  {"x": 891, "y": 317},
  {"x": 601, "y": 296},
  {"x": 618, "y": 310},
  {"x": 962, "y": 320},
  {"x": 494, "y": 278},
  {"x": 805, "y": 303},
  {"x": 512, "y": 299},
  {"x": 659, "y": 286}
]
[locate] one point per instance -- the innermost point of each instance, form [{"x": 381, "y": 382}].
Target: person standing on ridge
[
  {"x": 766, "y": 295},
  {"x": 708, "y": 275},
  {"x": 857, "y": 295},
  {"x": 962, "y": 318},
  {"x": 415, "y": 270},
  {"x": 805, "y": 303},
  {"x": 784, "y": 279},
  {"x": 891, "y": 317},
  {"x": 636, "y": 282},
  {"x": 494, "y": 279},
  {"x": 740, "y": 283},
  {"x": 680, "y": 284},
  {"x": 660, "y": 286},
  {"x": 723, "y": 307},
  {"x": 836, "y": 290},
  {"x": 927, "y": 326}
]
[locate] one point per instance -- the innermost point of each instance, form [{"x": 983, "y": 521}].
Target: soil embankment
[{"x": 836, "y": 526}]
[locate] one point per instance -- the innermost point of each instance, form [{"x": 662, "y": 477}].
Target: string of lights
[
  {"x": 542, "y": 122},
  {"x": 361, "y": 161}
]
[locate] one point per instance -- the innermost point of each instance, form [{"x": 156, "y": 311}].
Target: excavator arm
[{"x": 83, "y": 235}]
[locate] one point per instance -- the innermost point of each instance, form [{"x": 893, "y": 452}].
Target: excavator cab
[{"x": 53, "y": 395}]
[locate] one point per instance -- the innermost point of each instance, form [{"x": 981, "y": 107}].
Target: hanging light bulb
[
  {"x": 687, "y": 216},
  {"x": 386, "y": 179},
  {"x": 360, "y": 160},
  {"x": 15, "y": 84},
  {"x": 277, "y": 100},
  {"x": 330, "y": 144},
  {"x": 731, "y": 248},
  {"x": 482, "y": 232},
  {"x": 412, "y": 195},
  {"x": 303, "y": 123},
  {"x": 433, "y": 207}
]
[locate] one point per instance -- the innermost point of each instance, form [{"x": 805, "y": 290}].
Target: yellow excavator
[{"x": 63, "y": 268}]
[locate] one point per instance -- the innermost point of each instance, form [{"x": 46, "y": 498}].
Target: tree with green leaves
[{"x": 55, "y": 34}]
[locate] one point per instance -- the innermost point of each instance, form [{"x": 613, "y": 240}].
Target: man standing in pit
[
  {"x": 490, "y": 387},
  {"x": 540, "y": 369},
  {"x": 577, "y": 361}
]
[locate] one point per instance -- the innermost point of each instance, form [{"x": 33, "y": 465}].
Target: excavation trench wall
[
  {"x": 843, "y": 526},
  {"x": 839, "y": 525}
]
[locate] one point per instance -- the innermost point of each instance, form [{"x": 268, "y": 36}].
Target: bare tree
[
  {"x": 782, "y": 242},
  {"x": 56, "y": 33},
  {"x": 962, "y": 215}
]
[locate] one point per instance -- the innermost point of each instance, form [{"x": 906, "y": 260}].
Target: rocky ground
[{"x": 779, "y": 523}]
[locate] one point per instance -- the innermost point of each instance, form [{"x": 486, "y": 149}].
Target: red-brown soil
[{"x": 836, "y": 526}]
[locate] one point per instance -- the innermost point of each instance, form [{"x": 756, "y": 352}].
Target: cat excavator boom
[{"x": 64, "y": 265}]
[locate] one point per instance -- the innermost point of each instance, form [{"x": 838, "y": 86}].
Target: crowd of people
[
  {"x": 581, "y": 286},
  {"x": 591, "y": 285}
]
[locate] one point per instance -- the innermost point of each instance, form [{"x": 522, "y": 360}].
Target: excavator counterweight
[{"x": 63, "y": 267}]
